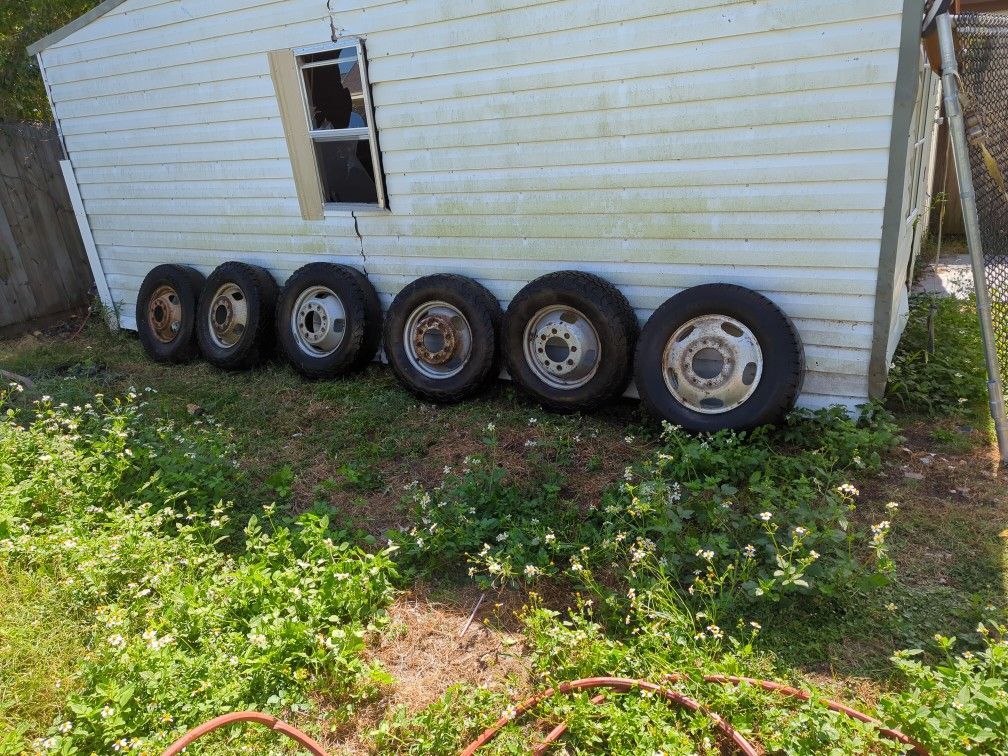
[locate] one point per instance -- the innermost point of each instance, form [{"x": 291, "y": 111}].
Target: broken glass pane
[
  {"x": 347, "y": 171},
  {"x": 335, "y": 90}
]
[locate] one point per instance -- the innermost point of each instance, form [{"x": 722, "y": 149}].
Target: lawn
[{"x": 178, "y": 543}]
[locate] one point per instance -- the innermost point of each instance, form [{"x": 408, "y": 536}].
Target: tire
[
  {"x": 375, "y": 318},
  {"x": 166, "y": 313},
  {"x": 320, "y": 296},
  {"x": 724, "y": 327},
  {"x": 463, "y": 321},
  {"x": 242, "y": 301},
  {"x": 569, "y": 339}
]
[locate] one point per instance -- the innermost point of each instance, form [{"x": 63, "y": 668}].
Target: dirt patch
[
  {"x": 425, "y": 652},
  {"x": 587, "y": 466}
]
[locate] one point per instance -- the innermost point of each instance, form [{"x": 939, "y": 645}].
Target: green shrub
[{"x": 951, "y": 381}]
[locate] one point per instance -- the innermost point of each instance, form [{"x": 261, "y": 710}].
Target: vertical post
[
  {"x": 104, "y": 293},
  {"x": 971, "y": 219}
]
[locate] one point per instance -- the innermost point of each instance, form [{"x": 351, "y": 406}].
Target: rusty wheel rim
[
  {"x": 562, "y": 347},
  {"x": 228, "y": 316},
  {"x": 438, "y": 340},
  {"x": 713, "y": 364},
  {"x": 164, "y": 314}
]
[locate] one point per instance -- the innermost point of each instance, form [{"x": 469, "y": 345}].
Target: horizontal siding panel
[
  {"x": 829, "y": 253},
  {"x": 165, "y": 98},
  {"x": 849, "y": 195},
  {"x": 659, "y": 200},
  {"x": 392, "y": 61},
  {"x": 672, "y": 88},
  {"x": 781, "y": 46},
  {"x": 234, "y": 151},
  {"x": 192, "y": 115},
  {"x": 825, "y": 224},
  {"x": 236, "y": 205},
  {"x": 676, "y": 276},
  {"x": 137, "y": 263},
  {"x": 275, "y": 189},
  {"x": 692, "y": 144},
  {"x": 236, "y": 244},
  {"x": 244, "y": 170},
  {"x": 814, "y": 402},
  {"x": 514, "y": 176},
  {"x": 176, "y": 136},
  {"x": 612, "y": 151}
]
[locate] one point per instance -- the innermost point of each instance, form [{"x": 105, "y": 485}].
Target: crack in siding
[{"x": 356, "y": 225}]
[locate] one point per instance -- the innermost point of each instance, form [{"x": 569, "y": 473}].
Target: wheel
[
  {"x": 234, "y": 323},
  {"x": 569, "y": 340},
  {"x": 328, "y": 320},
  {"x": 166, "y": 313},
  {"x": 719, "y": 357},
  {"x": 441, "y": 337}
]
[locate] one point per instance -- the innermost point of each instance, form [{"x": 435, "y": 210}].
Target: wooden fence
[{"x": 44, "y": 273}]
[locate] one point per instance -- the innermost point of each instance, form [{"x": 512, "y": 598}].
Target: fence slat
[{"x": 43, "y": 265}]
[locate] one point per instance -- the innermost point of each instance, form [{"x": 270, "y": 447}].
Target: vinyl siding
[{"x": 659, "y": 143}]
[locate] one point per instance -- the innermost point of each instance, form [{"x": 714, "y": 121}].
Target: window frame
[{"x": 320, "y": 136}]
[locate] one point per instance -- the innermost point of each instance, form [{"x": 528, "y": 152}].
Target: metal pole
[{"x": 971, "y": 219}]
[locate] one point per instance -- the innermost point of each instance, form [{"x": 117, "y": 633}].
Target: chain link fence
[{"x": 983, "y": 58}]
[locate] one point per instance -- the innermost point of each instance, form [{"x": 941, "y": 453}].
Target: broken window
[{"x": 341, "y": 124}]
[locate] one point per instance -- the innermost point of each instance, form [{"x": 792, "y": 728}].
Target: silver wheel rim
[
  {"x": 713, "y": 364},
  {"x": 318, "y": 322},
  {"x": 228, "y": 316},
  {"x": 438, "y": 340},
  {"x": 562, "y": 347}
]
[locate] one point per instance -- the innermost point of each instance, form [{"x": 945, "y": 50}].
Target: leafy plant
[
  {"x": 952, "y": 380},
  {"x": 123, "y": 514},
  {"x": 960, "y": 705},
  {"x": 727, "y": 517}
]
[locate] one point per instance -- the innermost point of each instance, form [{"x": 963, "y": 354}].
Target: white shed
[{"x": 780, "y": 145}]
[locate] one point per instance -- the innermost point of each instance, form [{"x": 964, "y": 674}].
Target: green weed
[
  {"x": 952, "y": 380},
  {"x": 188, "y": 619}
]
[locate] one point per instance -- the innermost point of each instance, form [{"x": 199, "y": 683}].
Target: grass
[
  {"x": 40, "y": 647},
  {"x": 349, "y": 450}
]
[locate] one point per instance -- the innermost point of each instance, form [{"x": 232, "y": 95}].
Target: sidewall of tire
[
  {"x": 256, "y": 343},
  {"x": 783, "y": 358},
  {"x": 187, "y": 283},
  {"x": 480, "y": 308}
]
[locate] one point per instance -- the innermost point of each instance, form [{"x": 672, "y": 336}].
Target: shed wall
[
  {"x": 916, "y": 197},
  {"x": 658, "y": 143}
]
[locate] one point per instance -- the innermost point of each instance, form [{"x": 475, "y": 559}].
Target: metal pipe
[{"x": 971, "y": 219}]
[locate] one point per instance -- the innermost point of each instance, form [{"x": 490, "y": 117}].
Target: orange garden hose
[
  {"x": 615, "y": 684},
  {"x": 247, "y": 716}
]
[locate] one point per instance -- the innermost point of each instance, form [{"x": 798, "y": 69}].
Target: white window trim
[{"x": 370, "y": 132}]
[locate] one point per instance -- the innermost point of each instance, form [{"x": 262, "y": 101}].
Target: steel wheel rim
[
  {"x": 713, "y": 364},
  {"x": 562, "y": 347},
  {"x": 164, "y": 314},
  {"x": 228, "y": 316},
  {"x": 438, "y": 340},
  {"x": 318, "y": 322}
]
